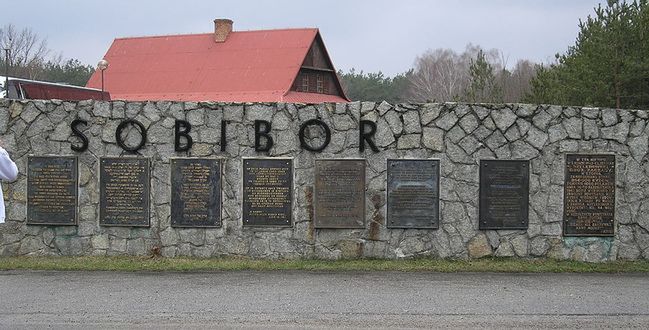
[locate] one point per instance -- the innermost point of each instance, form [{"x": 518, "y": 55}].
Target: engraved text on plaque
[
  {"x": 339, "y": 193},
  {"x": 52, "y": 190},
  {"x": 124, "y": 191},
  {"x": 504, "y": 194},
  {"x": 589, "y": 195},
  {"x": 195, "y": 192},
  {"x": 267, "y": 192},
  {"x": 413, "y": 193}
]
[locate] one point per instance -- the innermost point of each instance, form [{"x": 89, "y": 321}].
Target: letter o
[
  {"x": 118, "y": 135},
  {"x": 320, "y": 123}
]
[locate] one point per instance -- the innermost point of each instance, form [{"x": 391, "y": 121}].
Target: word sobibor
[{"x": 182, "y": 128}]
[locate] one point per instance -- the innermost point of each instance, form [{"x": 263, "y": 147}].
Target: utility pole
[{"x": 7, "y": 72}]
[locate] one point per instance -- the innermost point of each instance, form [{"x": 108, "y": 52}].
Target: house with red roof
[{"x": 287, "y": 65}]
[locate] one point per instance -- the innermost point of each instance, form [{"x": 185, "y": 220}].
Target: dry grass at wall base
[{"x": 509, "y": 265}]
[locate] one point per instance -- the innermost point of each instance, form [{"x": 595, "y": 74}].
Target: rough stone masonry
[{"x": 459, "y": 135}]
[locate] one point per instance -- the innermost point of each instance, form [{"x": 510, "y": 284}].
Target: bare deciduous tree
[
  {"x": 28, "y": 51},
  {"x": 439, "y": 75},
  {"x": 443, "y": 75},
  {"x": 517, "y": 83}
]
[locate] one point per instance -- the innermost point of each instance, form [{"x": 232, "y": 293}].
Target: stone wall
[{"x": 459, "y": 135}]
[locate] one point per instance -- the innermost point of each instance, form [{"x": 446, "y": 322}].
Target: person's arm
[{"x": 8, "y": 169}]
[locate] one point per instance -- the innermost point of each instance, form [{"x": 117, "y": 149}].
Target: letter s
[{"x": 80, "y": 135}]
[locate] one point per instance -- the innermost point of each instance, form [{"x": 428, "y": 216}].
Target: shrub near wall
[{"x": 459, "y": 135}]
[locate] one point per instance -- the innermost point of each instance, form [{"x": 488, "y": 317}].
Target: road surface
[{"x": 296, "y": 299}]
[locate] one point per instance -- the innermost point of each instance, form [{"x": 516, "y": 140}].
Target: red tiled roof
[
  {"x": 301, "y": 97},
  {"x": 270, "y": 96},
  {"x": 250, "y": 66}
]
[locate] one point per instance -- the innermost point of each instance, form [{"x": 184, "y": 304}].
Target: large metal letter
[
  {"x": 259, "y": 133},
  {"x": 80, "y": 135},
  {"x": 182, "y": 129},
  {"x": 120, "y": 141},
  {"x": 320, "y": 123},
  {"x": 224, "y": 142},
  {"x": 366, "y": 137}
]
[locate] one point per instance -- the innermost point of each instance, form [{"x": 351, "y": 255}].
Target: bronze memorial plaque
[
  {"x": 195, "y": 192},
  {"x": 413, "y": 193},
  {"x": 504, "y": 194},
  {"x": 339, "y": 200},
  {"x": 52, "y": 183},
  {"x": 589, "y": 195},
  {"x": 124, "y": 188},
  {"x": 267, "y": 192}
]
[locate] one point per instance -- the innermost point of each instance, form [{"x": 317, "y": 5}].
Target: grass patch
[{"x": 236, "y": 264}]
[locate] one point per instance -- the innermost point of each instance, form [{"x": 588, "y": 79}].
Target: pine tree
[
  {"x": 609, "y": 64},
  {"x": 484, "y": 86}
]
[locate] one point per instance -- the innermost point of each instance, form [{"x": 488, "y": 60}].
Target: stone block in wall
[
  {"x": 447, "y": 121},
  {"x": 384, "y": 136},
  {"x": 503, "y": 118},
  {"x": 495, "y": 141},
  {"x": 481, "y": 111},
  {"x": 505, "y": 249},
  {"x": 394, "y": 120},
  {"x": 469, "y": 123},
  {"x": 429, "y": 112},
  {"x": 433, "y": 138},
  {"x": 151, "y": 111},
  {"x": 525, "y": 110},
  {"x": 136, "y": 247},
  {"x": 639, "y": 146},
  {"x": 367, "y": 107},
  {"x": 28, "y": 113},
  {"x": 573, "y": 127},
  {"x": 609, "y": 117},
  {"x": 541, "y": 120},
  {"x": 133, "y": 109},
  {"x": 119, "y": 110},
  {"x": 523, "y": 150},
  {"x": 39, "y": 125},
  {"x": 102, "y": 109},
  {"x": 100, "y": 242},
  {"x": 479, "y": 247},
  {"x": 195, "y": 117},
  {"x": 411, "y": 122},
  {"x": 470, "y": 144},
  {"x": 520, "y": 244},
  {"x": 536, "y": 138},
  {"x": 409, "y": 141},
  {"x": 539, "y": 246},
  {"x": 412, "y": 247},
  {"x": 456, "y": 154},
  {"x": 31, "y": 245},
  {"x": 523, "y": 126}
]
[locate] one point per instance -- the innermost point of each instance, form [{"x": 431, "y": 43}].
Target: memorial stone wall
[{"x": 363, "y": 179}]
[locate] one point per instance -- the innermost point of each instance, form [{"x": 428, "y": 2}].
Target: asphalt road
[{"x": 34, "y": 299}]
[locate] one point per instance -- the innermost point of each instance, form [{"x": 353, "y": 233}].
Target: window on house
[
  {"x": 305, "y": 83},
  {"x": 319, "y": 84},
  {"x": 327, "y": 88}
]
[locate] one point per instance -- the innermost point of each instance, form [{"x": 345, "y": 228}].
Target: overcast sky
[{"x": 369, "y": 35}]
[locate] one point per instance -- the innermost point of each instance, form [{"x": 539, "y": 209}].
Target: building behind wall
[{"x": 287, "y": 65}]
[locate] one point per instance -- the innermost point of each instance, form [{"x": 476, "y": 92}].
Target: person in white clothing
[{"x": 8, "y": 172}]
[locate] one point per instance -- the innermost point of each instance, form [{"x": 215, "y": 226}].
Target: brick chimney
[{"x": 222, "y": 27}]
